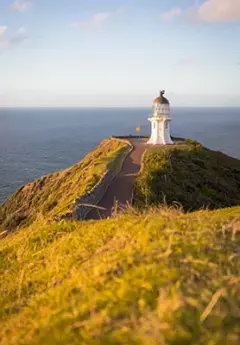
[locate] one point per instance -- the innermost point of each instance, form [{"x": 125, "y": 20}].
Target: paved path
[{"x": 120, "y": 190}]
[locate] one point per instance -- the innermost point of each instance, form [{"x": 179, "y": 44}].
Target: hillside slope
[
  {"x": 160, "y": 277},
  {"x": 54, "y": 194},
  {"x": 190, "y": 175}
]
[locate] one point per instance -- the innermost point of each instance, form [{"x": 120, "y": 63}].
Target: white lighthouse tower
[{"x": 160, "y": 122}]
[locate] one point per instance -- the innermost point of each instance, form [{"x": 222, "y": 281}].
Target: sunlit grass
[
  {"x": 150, "y": 277},
  {"x": 55, "y": 194}
]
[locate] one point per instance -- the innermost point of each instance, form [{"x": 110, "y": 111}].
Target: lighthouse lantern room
[{"x": 160, "y": 122}]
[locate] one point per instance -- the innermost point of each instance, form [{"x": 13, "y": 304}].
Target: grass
[
  {"x": 153, "y": 277},
  {"x": 190, "y": 175},
  {"x": 55, "y": 194}
]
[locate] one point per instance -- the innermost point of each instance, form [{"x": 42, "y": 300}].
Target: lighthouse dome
[
  {"x": 161, "y": 106},
  {"x": 161, "y": 99}
]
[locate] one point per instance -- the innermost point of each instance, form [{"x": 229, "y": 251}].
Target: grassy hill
[
  {"x": 55, "y": 194},
  {"x": 157, "y": 277},
  {"x": 153, "y": 275},
  {"x": 190, "y": 175}
]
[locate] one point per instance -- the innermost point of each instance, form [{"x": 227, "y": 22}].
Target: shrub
[{"x": 190, "y": 175}]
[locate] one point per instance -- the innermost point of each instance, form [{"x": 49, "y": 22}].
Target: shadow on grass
[{"x": 189, "y": 175}]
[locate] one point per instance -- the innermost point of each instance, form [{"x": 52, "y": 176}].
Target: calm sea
[{"x": 35, "y": 142}]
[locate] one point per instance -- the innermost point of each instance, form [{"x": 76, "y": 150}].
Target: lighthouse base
[
  {"x": 153, "y": 141},
  {"x": 160, "y": 131}
]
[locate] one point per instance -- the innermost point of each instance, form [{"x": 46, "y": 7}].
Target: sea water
[{"x": 35, "y": 142}]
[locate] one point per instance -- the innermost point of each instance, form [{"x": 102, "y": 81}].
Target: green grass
[
  {"x": 190, "y": 175},
  {"x": 156, "y": 277},
  {"x": 55, "y": 194},
  {"x": 149, "y": 276}
]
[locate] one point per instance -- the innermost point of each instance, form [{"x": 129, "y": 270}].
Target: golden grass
[
  {"x": 55, "y": 194},
  {"x": 152, "y": 277}
]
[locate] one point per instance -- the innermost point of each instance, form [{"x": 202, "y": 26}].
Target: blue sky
[{"x": 119, "y": 52}]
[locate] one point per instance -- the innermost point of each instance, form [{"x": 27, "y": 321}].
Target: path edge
[{"x": 87, "y": 202}]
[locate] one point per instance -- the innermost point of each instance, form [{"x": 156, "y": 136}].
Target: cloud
[
  {"x": 97, "y": 20},
  {"x": 2, "y": 30},
  {"x": 187, "y": 61},
  {"x": 21, "y": 6},
  {"x": 219, "y": 11},
  {"x": 7, "y": 43},
  {"x": 19, "y": 36},
  {"x": 3, "y": 42},
  {"x": 211, "y": 11},
  {"x": 175, "y": 12}
]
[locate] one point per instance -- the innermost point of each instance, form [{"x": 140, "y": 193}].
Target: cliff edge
[{"x": 155, "y": 274}]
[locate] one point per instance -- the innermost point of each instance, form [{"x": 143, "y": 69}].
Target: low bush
[{"x": 190, "y": 175}]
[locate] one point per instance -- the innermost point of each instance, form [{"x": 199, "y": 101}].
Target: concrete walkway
[{"x": 120, "y": 190}]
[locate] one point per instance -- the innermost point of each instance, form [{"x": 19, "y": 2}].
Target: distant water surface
[{"x": 35, "y": 142}]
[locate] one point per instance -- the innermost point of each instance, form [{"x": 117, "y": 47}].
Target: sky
[{"x": 119, "y": 52}]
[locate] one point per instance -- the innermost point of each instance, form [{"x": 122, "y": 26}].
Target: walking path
[{"x": 120, "y": 190}]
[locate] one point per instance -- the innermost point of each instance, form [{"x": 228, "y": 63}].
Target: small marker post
[{"x": 138, "y": 129}]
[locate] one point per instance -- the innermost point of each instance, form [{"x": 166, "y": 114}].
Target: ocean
[{"x": 35, "y": 142}]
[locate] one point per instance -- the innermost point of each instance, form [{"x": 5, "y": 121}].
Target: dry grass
[
  {"x": 155, "y": 277},
  {"x": 55, "y": 194}
]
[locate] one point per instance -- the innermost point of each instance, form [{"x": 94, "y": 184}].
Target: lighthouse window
[{"x": 166, "y": 125}]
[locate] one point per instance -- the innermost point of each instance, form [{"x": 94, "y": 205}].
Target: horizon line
[{"x": 113, "y": 106}]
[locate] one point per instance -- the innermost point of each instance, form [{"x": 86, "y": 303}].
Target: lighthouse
[{"x": 160, "y": 122}]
